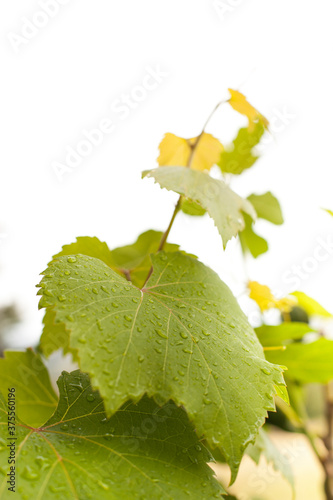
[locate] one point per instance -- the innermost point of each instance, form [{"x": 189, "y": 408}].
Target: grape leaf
[
  {"x": 239, "y": 155},
  {"x": 131, "y": 261},
  {"x": 311, "y": 306},
  {"x": 143, "y": 451},
  {"x": 267, "y": 207},
  {"x": 183, "y": 337},
  {"x": 239, "y": 103},
  {"x": 223, "y": 205},
  {"x": 34, "y": 395},
  {"x": 307, "y": 363},
  {"x": 264, "y": 446},
  {"x": 176, "y": 151},
  {"x": 251, "y": 241},
  {"x": 277, "y": 335},
  {"x": 189, "y": 207}
]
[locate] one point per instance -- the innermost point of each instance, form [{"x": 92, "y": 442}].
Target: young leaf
[
  {"x": 239, "y": 156},
  {"x": 251, "y": 241},
  {"x": 264, "y": 446},
  {"x": 283, "y": 334},
  {"x": 267, "y": 207},
  {"x": 239, "y": 103},
  {"x": 306, "y": 363},
  {"x": 223, "y": 205},
  {"x": 34, "y": 395},
  {"x": 311, "y": 306},
  {"x": 182, "y": 337},
  {"x": 143, "y": 451},
  {"x": 175, "y": 151}
]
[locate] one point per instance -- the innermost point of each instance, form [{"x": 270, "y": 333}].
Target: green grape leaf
[
  {"x": 54, "y": 336},
  {"x": 142, "y": 451},
  {"x": 283, "y": 334},
  {"x": 264, "y": 446},
  {"x": 91, "y": 246},
  {"x": 131, "y": 261},
  {"x": 251, "y": 241},
  {"x": 306, "y": 363},
  {"x": 311, "y": 306},
  {"x": 239, "y": 156},
  {"x": 267, "y": 207},
  {"x": 189, "y": 207},
  {"x": 34, "y": 395},
  {"x": 222, "y": 204},
  {"x": 182, "y": 337}
]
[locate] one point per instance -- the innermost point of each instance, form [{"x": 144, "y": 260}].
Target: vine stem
[
  {"x": 193, "y": 148},
  {"x": 327, "y": 461}
]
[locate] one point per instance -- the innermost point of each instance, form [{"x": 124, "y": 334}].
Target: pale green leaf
[
  {"x": 141, "y": 452},
  {"x": 283, "y": 334},
  {"x": 182, "y": 337},
  {"x": 191, "y": 208},
  {"x": 264, "y": 446},
  {"x": 251, "y": 241},
  {"x": 223, "y": 205},
  {"x": 267, "y": 207},
  {"x": 307, "y": 363},
  {"x": 239, "y": 156},
  {"x": 34, "y": 395}
]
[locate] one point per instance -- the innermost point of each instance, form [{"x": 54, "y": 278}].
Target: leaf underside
[
  {"x": 143, "y": 451},
  {"x": 224, "y": 206}
]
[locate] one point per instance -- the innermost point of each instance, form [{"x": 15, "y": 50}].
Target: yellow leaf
[
  {"x": 239, "y": 103},
  {"x": 263, "y": 296},
  {"x": 175, "y": 152}
]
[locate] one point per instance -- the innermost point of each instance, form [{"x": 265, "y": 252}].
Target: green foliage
[
  {"x": 306, "y": 363},
  {"x": 143, "y": 451},
  {"x": 172, "y": 373},
  {"x": 222, "y": 204},
  {"x": 239, "y": 156},
  {"x": 176, "y": 339},
  {"x": 251, "y": 241},
  {"x": 26, "y": 373},
  {"x": 131, "y": 261},
  {"x": 191, "y": 208},
  {"x": 268, "y": 208},
  {"x": 264, "y": 446},
  {"x": 282, "y": 334}
]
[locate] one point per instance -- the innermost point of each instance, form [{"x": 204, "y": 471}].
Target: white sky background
[{"x": 279, "y": 53}]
